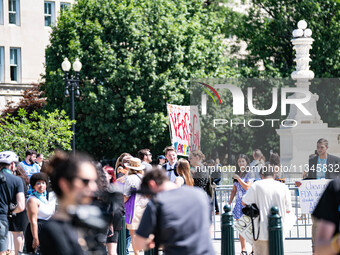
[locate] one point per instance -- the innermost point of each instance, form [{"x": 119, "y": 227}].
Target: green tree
[
  {"x": 41, "y": 132},
  {"x": 137, "y": 56},
  {"x": 267, "y": 29}
]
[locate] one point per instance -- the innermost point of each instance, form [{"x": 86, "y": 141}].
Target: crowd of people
[
  {"x": 41, "y": 196},
  {"x": 48, "y": 205}
]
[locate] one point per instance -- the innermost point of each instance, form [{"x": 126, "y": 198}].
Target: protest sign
[
  {"x": 184, "y": 128},
  {"x": 244, "y": 228},
  {"x": 310, "y": 192}
]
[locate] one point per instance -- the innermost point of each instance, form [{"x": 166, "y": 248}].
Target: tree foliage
[
  {"x": 137, "y": 56},
  {"x": 267, "y": 29},
  {"x": 41, "y": 132}
]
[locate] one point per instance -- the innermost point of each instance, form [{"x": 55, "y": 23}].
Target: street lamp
[{"x": 72, "y": 84}]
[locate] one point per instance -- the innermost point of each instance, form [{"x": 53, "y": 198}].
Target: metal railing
[{"x": 302, "y": 229}]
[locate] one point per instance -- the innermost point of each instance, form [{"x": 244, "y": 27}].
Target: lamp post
[{"x": 72, "y": 84}]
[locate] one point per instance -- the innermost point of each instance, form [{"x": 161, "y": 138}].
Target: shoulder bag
[{"x": 252, "y": 211}]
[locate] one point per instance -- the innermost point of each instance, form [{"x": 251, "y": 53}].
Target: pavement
[{"x": 291, "y": 247}]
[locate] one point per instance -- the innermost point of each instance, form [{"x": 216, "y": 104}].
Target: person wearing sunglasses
[
  {"x": 73, "y": 179},
  {"x": 146, "y": 157},
  {"x": 39, "y": 210}
]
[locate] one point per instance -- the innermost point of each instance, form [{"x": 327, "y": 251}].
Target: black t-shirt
[
  {"x": 59, "y": 238},
  {"x": 15, "y": 186},
  {"x": 328, "y": 207},
  {"x": 185, "y": 218}
]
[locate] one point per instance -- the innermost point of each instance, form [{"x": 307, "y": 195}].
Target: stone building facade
[{"x": 25, "y": 26}]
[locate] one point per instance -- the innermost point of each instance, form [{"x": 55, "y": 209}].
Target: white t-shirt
[{"x": 265, "y": 194}]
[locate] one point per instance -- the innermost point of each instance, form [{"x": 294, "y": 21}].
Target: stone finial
[
  {"x": 302, "y": 42},
  {"x": 302, "y": 30}
]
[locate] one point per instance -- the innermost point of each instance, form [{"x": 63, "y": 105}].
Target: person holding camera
[
  {"x": 39, "y": 210},
  {"x": 179, "y": 219},
  {"x": 243, "y": 179},
  {"x": 267, "y": 193},
  {"x": 73, "y": 178},
  {"x": 12, "y": 190}
]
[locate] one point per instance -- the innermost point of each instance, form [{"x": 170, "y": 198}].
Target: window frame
[
  {"x": 1, "y": 12},
  {"x": 64, "y": 4},
  {"x": 16, "y": 12},
  {"x": 17, "y": 64},
  {"x": 51, "y": 15}
]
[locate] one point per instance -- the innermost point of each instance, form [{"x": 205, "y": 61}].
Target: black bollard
[
  {"x": 227, "y": 227},
  {"x": 275, "y": 232},
  {"x": 121, "y": 246},
  {"x": 149, "y": 252}
]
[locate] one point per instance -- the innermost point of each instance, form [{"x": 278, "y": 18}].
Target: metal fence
[{"x": 302, "y": 228}]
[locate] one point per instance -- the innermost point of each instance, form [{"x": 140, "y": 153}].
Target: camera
[
  {"x": 11, "y": 208},
  {"x": 94, "y": 219}
]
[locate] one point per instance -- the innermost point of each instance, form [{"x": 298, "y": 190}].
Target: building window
[
  {"x": 13, "y": 12},
  {"x": 2, "y": 64},
  {"x": 1, "y": 13},
  {"x": 15, "y": 64},
  {"x": 64, "y": 6},
  {"x": 49, "y": 14}
]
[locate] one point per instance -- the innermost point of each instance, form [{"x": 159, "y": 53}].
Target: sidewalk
[{"x": 291, "y": 247}]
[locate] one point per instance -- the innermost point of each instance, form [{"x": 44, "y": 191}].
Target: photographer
[
  {"x": 267, "y": 193},
  {"x": 73, "y": 178},
  {"x": 179, "y": 218},
  {"x": 12, "y": 190}
]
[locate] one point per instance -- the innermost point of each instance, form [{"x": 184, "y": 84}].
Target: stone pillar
[{"x": 297, "y": 143}]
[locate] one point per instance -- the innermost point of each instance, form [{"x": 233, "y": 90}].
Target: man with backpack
[
  {"x": 12, "y": 199},
  {"x": 170, "y": 166},
  {"x": 179, "y": 218}
]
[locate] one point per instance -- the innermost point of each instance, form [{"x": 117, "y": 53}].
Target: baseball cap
[
  {"x": 161, "y": 157},
  {"x": 8, "y": 157}
]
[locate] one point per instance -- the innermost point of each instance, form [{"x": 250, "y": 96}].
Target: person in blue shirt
[{"x": 29, "y": 164}]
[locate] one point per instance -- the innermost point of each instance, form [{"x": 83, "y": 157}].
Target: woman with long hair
[
  {"x": 112, "y": 208},
  {"x": 120, "y": 165},
  {"x": 183, "y": 170},
  {"x": 243, "y": 179},
  {"x": 201, "y": 177}
]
